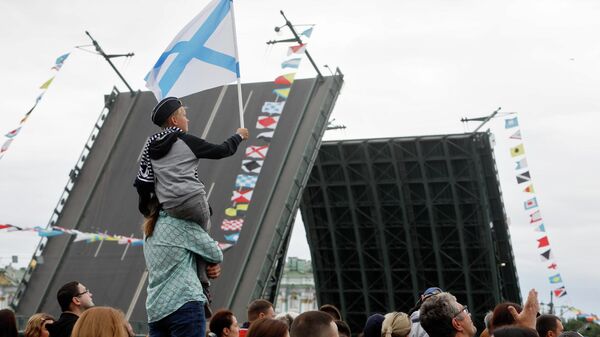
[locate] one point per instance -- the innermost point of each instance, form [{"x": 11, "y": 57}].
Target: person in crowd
[
  {"x": 487, "y": 321},
  {"x": 224, "y": 324},
  {"x": 395, "y": 324},
  {"x": 373, "y": 326},
  {"x": 258, "y": 309},
  {"x": 514, "y": 331},
  {"x": 168, "y": 173},
  {"x": 442, "y": 316},
  {"x": 570, "y": 334},
  {"x": 416, "y": 329},
  {"x": 74, "y": 299},
  {"x": 175, "y": 298},
  {"x": 268, "y": 327},
  {"x": 314, "y": 324},
  {"x": 8, "y": 323},
  {"x": 549, "y": 326},
  {"x": 287, "y": 318},
  {"x": 101, "y": 322},
  {"x": 332, "y": 310},
  {"x": 524, "y": 317},
  {"x": 501, "y": 316},
  {"x": 343, "y": 329},
  {"x": 36, "y": 325}
]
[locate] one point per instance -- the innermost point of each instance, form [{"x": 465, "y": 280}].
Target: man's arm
[{"x": 204, "y": 149}]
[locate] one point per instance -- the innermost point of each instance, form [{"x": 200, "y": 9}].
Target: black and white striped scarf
[{"x": 145, "y": 172}]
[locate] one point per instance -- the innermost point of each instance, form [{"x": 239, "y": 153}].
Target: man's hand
[
  {"x": 527, "y": 317},
  {"x": 243, "y": 132},
  {"x": 213, "y": 271}
]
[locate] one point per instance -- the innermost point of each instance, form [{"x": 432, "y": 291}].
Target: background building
[{"x": 296, "y": 287}]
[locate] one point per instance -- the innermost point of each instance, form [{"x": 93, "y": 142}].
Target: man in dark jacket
[{"x": 74, "y": 298}]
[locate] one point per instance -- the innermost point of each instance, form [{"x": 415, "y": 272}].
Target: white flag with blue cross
[{"x": 202, "y": 56}]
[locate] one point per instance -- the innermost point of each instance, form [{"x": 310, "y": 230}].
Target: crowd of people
[
  {"x": 436, "y": 314},
  {"x": 182, "y": 258}
]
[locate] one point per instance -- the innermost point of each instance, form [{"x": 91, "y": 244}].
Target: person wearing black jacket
[{"x": 74, "y": 298}]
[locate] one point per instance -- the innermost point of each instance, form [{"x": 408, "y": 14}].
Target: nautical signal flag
[
  {"x": 531, "y": 203},
  {"x": 286, "y": 79},
  {"x": 47, "y": 83},
  {"x": 232, "y": 225},
  {"x": 232, "y": 237},
  {"x": 535, "y": 216},
  {"x": 560, "y": 292},
  {"x": 266, "y": 136},
  {"x": 552, "y": 266},
  {"x": 242, "y": 196},
  {"x": 521, "y": 164},
  {"x": 307, "y": 32},
  {"x": 273, "y": 108},
  {"x": 510, "y": 123},
  {"x": 283, "y": 93},
  {"x": 59, "y": 61},
  {"x": 540, "y": 228},
  {"x": 267, "y": 122},
  {"x": 543, "y": 242},
  {"x": 299, "y": 49},
  {"x": 547, "y": 255},
  {"x": 13, "y": 133},
  {"x": 516, "y": 151},
  {"x": 252, "y": 166},
  {"x": 244, "y": 180},
  {"x": 233, "y": 211},
  {"x": 225, "y": 246},
  {"x": 516, "y": 135},
  {"x": 291, "y": 63},
  {"x": 523, "y": 177},
  {"x": 259, "y": 152},
  {"x": 555, "y": 279},
  {"x": 529, "y": 189}
]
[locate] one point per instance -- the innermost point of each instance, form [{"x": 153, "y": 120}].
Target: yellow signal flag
[
  {"x": 47, "y": 84},
  {"x": 233, "y": 211},
  {"x": 516, "y": 151}
]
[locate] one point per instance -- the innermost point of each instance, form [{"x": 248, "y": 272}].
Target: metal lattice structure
[{"x": 387, "y": 218}]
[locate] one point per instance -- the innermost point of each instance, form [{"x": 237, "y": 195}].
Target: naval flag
[{"x": 202, "y": 56}]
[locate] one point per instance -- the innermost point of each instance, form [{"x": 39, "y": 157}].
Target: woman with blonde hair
[
  {"x": 36, "y": 325},
  {"x": 395, "y": 324},
  {"x": 101, "y": 322}
]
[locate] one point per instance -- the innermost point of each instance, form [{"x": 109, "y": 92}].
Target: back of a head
[
  {"x": 8, "y": 323},
  {"x": 220, "y": 320},
  {"x": 287, "y": 318},
  {"x": 332, "y": 310},
  {"x": 35, "y": 324},
  {"x": 101, "y": 322},
  {"x": 257, "y": 307},
  {"x": 268, "y": 327},
  {"x": 436, "y": 315},
  {"x": 343, "y": 328},
  {"x": 313, "y": 324},
  {"x": 514, "y": 331},
  {"x": 502, "y": 317},
  {"x": 396, "y": 324},
  {"x": 546, "y": 323},
  {"x": 66, "y": 293},
  {"x": 373, "y": 326}
]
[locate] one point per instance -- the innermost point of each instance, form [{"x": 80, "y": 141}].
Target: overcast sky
[{"x": 411, "y": 68}]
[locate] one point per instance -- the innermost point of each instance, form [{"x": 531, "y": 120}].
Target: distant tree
[{"x": 585, "y": 328}]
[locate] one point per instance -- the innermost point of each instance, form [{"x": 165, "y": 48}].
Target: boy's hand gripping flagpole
[{"x": 239, "y": 83}]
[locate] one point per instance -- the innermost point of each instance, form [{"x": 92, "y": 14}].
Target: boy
[{"x": 168, "y": 174}]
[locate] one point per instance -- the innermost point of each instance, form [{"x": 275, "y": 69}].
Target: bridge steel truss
[{"x": 387, "y": 218}]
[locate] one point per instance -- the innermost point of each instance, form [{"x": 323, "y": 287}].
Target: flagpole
[{"x": 239, "y": 83}]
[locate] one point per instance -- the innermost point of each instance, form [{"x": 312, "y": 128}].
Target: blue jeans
[{"x": 187, "y": 321}]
